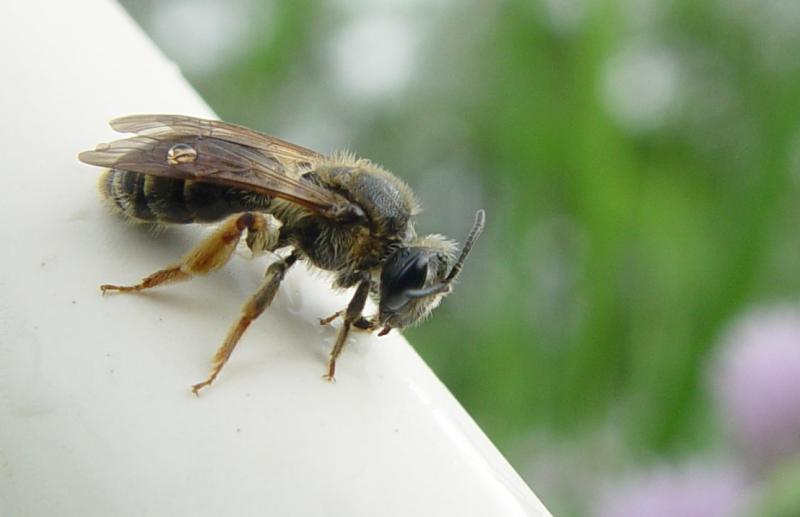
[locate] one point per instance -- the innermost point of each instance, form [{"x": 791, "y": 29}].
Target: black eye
[
  {"x": 413, "y": 275},
  {"x": 404, "y": 271}
]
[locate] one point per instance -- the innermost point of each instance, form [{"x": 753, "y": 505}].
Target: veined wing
[
  {"x": 293, "y": 157},
  {"x": 222, "y": 159}
]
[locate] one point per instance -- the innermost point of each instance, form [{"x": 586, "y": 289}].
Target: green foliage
[{"x": 778, "y": 495}]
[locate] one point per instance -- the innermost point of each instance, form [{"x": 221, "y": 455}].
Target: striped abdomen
[{"x": 145, "y": 198}]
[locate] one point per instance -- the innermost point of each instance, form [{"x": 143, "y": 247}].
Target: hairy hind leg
[
  {"x": 255, "y": 305},
  {"x": 212, "y": 253}
]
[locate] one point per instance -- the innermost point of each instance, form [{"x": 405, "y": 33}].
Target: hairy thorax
[{"x": 360, "y": 245}]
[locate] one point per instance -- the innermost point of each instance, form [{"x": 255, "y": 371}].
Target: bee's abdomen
[{"x": 146, "y": 198}]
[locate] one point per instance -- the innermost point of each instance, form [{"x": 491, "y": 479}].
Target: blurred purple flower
[
  {"x": 756, "y": 379},
  {"x": 693, "y": 490}
]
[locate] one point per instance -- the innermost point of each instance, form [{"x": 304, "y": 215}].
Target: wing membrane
[
  {"x": 154, "y": 125},
  {"x": 226, "y": 155}
]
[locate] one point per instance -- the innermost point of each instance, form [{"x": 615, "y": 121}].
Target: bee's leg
[
  {"x": 365, "y": 324},
  {"x": 351, "y": 315},
  {"x": 212, "y": 253},
  {"x": 251, "y": 310},
  {"x": 361, "y": 323},
  {"x": 343, "y": 281},
  {"x": 329, "y": 319}
]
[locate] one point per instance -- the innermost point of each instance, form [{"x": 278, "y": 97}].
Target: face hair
[{"x": 445, "y": 286}]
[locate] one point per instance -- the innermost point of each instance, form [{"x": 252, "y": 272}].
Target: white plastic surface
[{"x": 96, "y": 415}]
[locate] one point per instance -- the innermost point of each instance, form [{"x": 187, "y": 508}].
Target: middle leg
[
  {"x": 352, "y": 315},
  {"x": 255, "y": 305}
]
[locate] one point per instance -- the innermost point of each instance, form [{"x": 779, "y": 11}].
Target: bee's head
[{"x": 414, "y": 279}]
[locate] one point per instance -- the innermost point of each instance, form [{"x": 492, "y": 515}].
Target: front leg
[
  {"x": 351, "y": 315},
  {"x": 361, "y": 323}
]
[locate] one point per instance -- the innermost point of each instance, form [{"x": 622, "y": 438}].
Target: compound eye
[
  {"x": 414, "y": 274},
  {"x": 405, "y": 271}
]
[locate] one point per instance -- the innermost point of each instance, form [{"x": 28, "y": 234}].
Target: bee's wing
[
  {"x": 223, "y": 159},
  {"x": 294, "y": 157}
]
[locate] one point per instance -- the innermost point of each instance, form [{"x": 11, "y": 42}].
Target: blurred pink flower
[
  {"x": 756, "y": 379},
  {"x": 693, "y": 490}
]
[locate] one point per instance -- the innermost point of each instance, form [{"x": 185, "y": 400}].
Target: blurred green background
[{"x": 638, "y": 161}]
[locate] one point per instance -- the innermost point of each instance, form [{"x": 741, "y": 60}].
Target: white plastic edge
[{"x": 96, "y": 417}]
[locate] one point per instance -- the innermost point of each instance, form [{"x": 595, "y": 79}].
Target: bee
[{"x": 339, "y": 213}]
